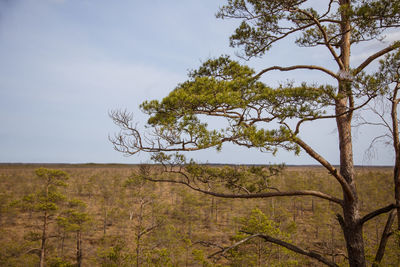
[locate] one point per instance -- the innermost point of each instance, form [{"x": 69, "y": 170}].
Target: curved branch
[
  {"x": 293, "y": 248},
  {"x": 377, "y": 212},
  {"x": 254, "y": 195},
  {"x": 375, "y": 56},
  {"x": 310, "y": 67},
  {"x": 327, "y": 165},
  {"x": 328, "y": 11}
]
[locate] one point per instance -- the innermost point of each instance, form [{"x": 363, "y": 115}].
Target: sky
[{"x": 64, "y": 64}]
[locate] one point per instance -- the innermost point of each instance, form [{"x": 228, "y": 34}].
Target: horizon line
[{"x": 209, "y": 163}]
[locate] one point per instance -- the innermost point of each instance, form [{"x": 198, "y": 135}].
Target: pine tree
[{"x": 259, "y": 116}]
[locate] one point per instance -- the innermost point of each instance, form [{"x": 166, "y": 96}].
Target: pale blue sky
[{"x": 66, "y": 63}]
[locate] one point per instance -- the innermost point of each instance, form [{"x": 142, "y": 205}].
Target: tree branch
[
  {"x": 384, "y": 238},
  {"x": 274, "y": 40},
  {"x": 377, "y": 212},
  {"x": 326, "y": 39},
  {"x": 224, "y": 250},
  {"x": 375, "y": 56},
  {"x": 254, "y": 195},
  {"x": 291, "y": 247},
  {"x": 33, "y": 251},
  {"x": 331, "y": 116},
  {"x": 148, "y": 230},
  {"x": 310, "y": 67},
  {"x": 327, "y": 165}
]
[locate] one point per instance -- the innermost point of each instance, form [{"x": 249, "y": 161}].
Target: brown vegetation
[{"x": 132, "y": 222}]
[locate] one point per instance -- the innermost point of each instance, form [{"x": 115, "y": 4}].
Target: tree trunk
[
  {"x": 137, "y": 251},
  {"x": 355, "y": 245},
  {"x": 397, "y": 196},
  {"x": 397, "y": 189},
  {"x": 352, "y": 228},
  {"x": 139, "y": 231},
  {"x": 396, "y": 171},
  {"x": 44, "y": 238},
  {"x": 350, "y": 223},
  {"x": 79, "y": 248}
]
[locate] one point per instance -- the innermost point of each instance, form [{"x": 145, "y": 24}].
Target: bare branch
[
  {"x": 310, "y": 67},
  {"x": 293, "y": 248},
  {"x": 384, "y": 238},
  {"x": 377, "y": 212},
  {"x": 375, "y": 56},
  {"x": 351, "y": 110},
  {"x": 327, "y": 165},
  {"x": 328, "y": 11},
  {"x": 381, "y": 115}
]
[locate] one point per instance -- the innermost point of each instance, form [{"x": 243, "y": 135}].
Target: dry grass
[{"x": 188, "y": 217}]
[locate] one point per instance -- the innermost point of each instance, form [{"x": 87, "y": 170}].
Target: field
[{"x": 126, "y": 221}]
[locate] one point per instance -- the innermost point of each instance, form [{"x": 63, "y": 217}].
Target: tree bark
[
  {"x": 396, "y": 145},
  {"x": 352, "y": 228}
]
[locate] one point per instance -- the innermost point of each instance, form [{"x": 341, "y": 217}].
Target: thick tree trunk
[
  {"x": 352, "y": 228},
  {"x": 354, "y": 242}
]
